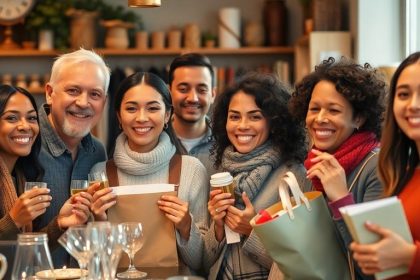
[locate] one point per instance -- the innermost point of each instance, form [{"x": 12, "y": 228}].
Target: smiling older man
[{"x": 76, "y": 96}]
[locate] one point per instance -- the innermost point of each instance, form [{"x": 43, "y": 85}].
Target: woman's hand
[
  {"x": 238, "y": 220},
  {"x": 391, "y": 251},
  {"x": 102, "y": 200},
  {"x": 177, "y": 211},
  {"x": 217, "y": 206},
  {"x": 30, "y": 205},
  {"x": 75, "y": 211},
  {"x": 330, "y": 173}
]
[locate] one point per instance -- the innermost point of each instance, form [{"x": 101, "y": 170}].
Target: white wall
[{"x": 377, "y": 30}]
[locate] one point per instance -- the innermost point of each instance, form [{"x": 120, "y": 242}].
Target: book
[{"x": 387, "y": 213}]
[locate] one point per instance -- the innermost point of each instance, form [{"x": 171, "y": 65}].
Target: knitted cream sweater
[{"x": 153, "y": 167}]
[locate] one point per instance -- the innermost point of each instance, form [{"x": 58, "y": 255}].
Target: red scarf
[{"x": 349, "y": 154}]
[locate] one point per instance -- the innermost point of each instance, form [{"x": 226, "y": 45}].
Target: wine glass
[
  {"x": 98, "y": 177},
  {"x": 77, "y": 186},
  {"x": 132, "y": 241},
  {"x": 75, "y": 240}
]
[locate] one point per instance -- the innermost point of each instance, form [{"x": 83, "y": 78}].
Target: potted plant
[
  {"x": 118, "y": 21},
  {"x": 47, "y": 18},
  {"x": 83, "y": 15},
  {"x": 209, "y": 39}
]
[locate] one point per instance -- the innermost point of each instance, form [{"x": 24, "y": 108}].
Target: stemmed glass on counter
[
  {"x": 132, "y": 241},
  {"x": 75, "y": 240}
]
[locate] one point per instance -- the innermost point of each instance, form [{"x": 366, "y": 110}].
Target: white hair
[{"x": 80, "y": 56}]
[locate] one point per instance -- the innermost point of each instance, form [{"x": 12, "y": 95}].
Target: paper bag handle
[{"x": 293, "y": 185}]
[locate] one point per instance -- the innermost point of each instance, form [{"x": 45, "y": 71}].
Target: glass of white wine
[
  {"x": 131, "y": 240},
  {"x": 98, "y": 177},
  {"x": 77, "y": 186}
]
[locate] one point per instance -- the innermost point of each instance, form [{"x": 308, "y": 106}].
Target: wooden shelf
[{"x": 150, "y": 52}]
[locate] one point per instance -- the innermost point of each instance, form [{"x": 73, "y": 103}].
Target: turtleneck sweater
[{"x": 135, "y": 168}]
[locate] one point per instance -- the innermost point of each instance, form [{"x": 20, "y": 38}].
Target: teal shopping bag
[{"x": 302, "y": 239}]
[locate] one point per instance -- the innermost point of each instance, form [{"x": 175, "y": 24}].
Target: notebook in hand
[{"x": 387, "y": 213}]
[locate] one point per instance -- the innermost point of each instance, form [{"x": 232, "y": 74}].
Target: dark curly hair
[
  {"x": 362, "y": 86},
  {"x": 271, "y": 96}
]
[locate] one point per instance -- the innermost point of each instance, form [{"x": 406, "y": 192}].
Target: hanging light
[{"x": 144, "y": 3}]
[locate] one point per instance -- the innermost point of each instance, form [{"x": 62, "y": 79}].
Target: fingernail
[{"x": 48, "y": 190}]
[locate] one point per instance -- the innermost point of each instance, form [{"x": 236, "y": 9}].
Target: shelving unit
[
  {"x": 35, "y": 61},
  {"x": 152, "y": 52}
]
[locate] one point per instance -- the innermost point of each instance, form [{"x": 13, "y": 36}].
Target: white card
[
  {"x": 143, "y": 189},
  {"x": 231, "y": 236}
]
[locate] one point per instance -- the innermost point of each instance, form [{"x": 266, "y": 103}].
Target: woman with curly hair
[
  {"x": 257, "y": 141},
  {"x": 399, "y": 169},
  {"x": 342, "y": 104}
]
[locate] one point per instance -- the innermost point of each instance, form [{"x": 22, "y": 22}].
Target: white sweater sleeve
[{"x": 194, "y": 188}]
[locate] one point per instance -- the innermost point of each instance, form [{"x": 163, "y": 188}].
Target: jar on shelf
[
  {"x": 254, "y": 34},
  {"x": 142, "y": 40},
  {"x": 275, "y": 22},
  {"x": 117, "y": 34},
  {"x": 174, "y": 39},
  {"x": 158, "y": 40},
  {"x": 192, "y": 36}
]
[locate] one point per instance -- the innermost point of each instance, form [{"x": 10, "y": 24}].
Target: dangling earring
[
  {"x": 165, "y": 126},
  {"x": 119, "y": 125}
]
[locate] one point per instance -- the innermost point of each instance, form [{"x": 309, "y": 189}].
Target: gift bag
[
  {"x": 301, "y": 237},
  {"x": 159, "y": 249}
]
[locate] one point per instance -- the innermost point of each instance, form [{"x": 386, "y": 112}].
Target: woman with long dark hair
[{"x": 399, "y": 170}]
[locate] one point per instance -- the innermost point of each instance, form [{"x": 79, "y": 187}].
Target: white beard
[{"x": 72, "y": 130}]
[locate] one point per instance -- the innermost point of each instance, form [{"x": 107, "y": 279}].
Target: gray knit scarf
[
  {"x": 250, "y": 170},
  {"x": 135, "y": 163}
]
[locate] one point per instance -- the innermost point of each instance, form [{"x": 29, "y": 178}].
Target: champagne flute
[
  {"x": 98, "y": 177},
  {"x": 132, "y": 241},
  {"x": 77, "y": 186}
]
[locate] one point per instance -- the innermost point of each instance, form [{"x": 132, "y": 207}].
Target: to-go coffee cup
[{"x": 224, "y": 181}]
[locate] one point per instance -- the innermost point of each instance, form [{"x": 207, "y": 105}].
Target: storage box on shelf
[{"x": 311, "y": 49}]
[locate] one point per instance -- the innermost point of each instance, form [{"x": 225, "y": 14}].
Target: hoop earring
[{"x": 165, "y": 126}]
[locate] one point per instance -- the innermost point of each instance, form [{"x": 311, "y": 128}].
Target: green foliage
[
  {"x": 208, "y": 35},
  {"x": 109, "y": 12},
  {"x": 88, "y": 5},
  {"x": 49, "y": 14}
]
